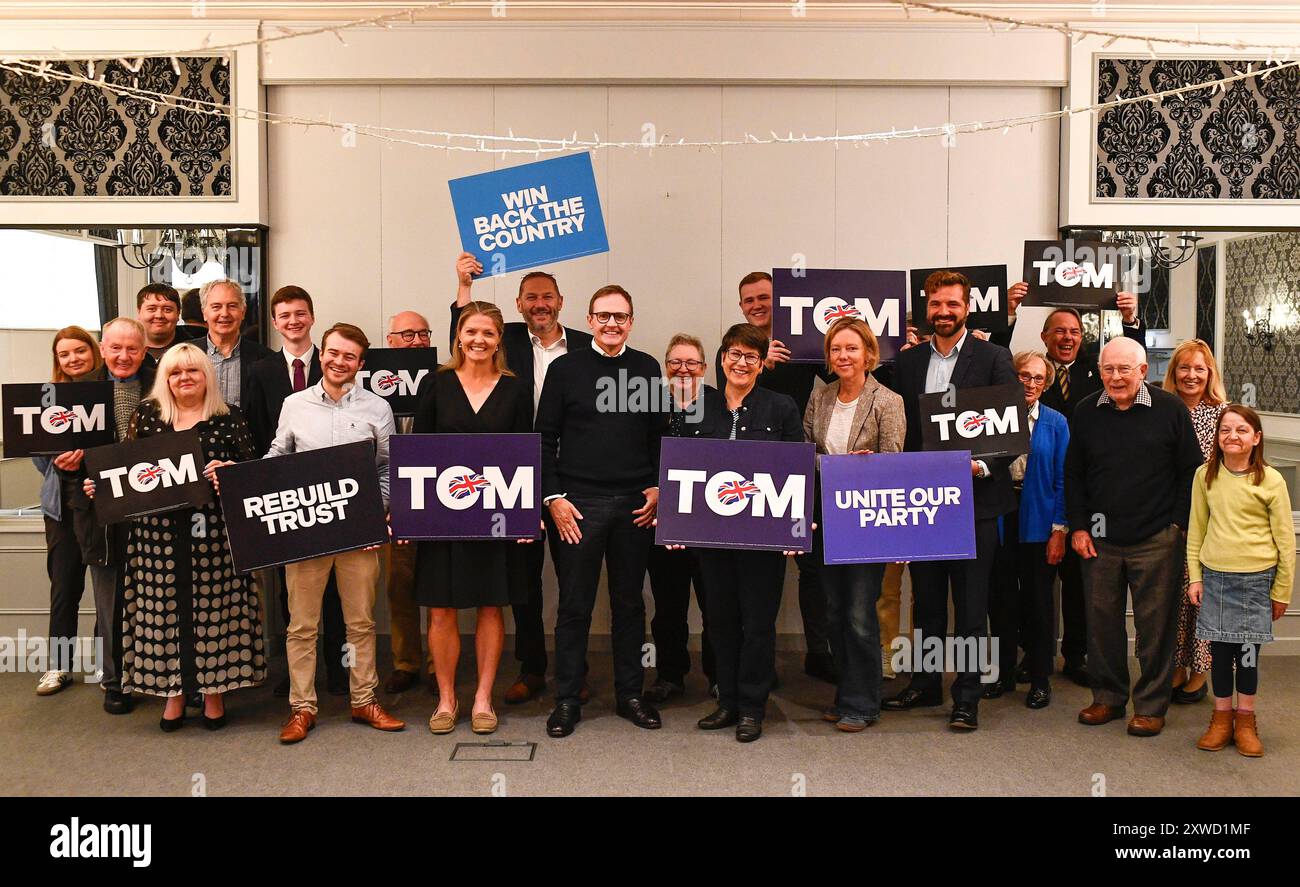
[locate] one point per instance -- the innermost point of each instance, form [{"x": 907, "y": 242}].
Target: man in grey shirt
[{"x": 335, "y": 411}]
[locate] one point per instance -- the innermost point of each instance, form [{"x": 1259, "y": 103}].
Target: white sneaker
[
  {"x": 52, "y": 682},
  {"x": 886, "y": 666}
]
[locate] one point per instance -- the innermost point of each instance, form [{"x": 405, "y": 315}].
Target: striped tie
[{"x": 1063, "y": 381}]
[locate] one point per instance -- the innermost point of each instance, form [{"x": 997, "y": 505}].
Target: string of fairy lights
[{"x": 1274, "y": 57}]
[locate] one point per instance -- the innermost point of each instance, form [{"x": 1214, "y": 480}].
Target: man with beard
[
  {"x": 954, "y": 358},
  {"x": 531, "y": 347}
]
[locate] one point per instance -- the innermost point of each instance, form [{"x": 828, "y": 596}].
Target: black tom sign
[
  {"x": 990, "y": 421},
  {"x": 42, "y": 419},
  {"x": 399, "y": 375},
  {"x": 1079, "y": 274},
  {"x": 988, "y": 296},
  {"x": 149, "y": 475}
]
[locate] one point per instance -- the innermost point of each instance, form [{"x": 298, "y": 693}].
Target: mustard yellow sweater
[{"x": 1238, "y": 527}]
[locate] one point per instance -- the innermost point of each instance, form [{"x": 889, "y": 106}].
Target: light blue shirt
[
  {"x": 312, "y": 420},
  {"x": 939, "y": 372}
]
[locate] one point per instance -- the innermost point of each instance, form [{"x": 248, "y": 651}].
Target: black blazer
[
  {"x": 268, "y": 386},
  {"x": 519, "y": 347},
  {"x": 764, "y": 415},
  {"x": 979, "y": 364}
]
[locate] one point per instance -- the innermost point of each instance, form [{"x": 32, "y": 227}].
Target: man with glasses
[
  {"x": 1128, "y": 486},
  {"x": 406, "y": 329},
  {"x": 531, "y": 347},
  {"x": 600, "y": 421}
]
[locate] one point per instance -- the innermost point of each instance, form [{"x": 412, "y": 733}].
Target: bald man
[
  {"x": 406, "y": 329},
  {"x": 1128, "y": 488}
]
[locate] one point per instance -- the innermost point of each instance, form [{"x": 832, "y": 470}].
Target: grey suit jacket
[{"x": 879, "y": 423}]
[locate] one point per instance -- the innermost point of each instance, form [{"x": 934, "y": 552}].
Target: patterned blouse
[{"x": 1205, "y": 420}]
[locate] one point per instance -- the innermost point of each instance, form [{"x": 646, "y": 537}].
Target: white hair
[
  {"x": 131, "y": 323},
  {"x": 213, "y": 284},
  {"x": 1131, "y": 347}
]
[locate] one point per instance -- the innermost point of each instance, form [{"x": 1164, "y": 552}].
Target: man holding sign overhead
[{"x": 954, "y": 359}]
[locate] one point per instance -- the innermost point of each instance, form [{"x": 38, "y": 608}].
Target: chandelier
[
  {"x": 186, "y": 247},
  {"x": 1153, "y": 244}
]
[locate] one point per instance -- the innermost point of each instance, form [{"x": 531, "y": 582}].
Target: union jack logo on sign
[
  {"x": 834, "y": 314},
  {"x": 148, "y": 473},
  {"x": 62, "y": 418},
  {"x": 467, "y": 485},
  {"x": 736, "y": 491},
  {"x": 974, "y": 423},
  {"x": 386, "y": 381}
]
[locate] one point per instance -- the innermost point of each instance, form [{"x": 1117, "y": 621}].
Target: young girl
[{"x": 1241, "y": 561}]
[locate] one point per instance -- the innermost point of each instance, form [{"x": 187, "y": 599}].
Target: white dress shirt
[{"x": 543, "y": 356}]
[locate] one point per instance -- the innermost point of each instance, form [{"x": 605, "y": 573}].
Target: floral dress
[
  {"x": 1193, "y": 653},
  {"x": 190, "y": 622}
]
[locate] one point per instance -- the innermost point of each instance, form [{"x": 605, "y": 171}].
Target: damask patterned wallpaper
[
  {"x": 61, "y": 139},
  {"x": 1260, "y": 271},
  {"x": 1238, "y": 144}
]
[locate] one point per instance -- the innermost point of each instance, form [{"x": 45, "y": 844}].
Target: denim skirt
[{"x": 1236, "y": 607}]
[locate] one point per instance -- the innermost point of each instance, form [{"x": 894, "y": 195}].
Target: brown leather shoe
[
  {"x": 1218, "y": 734},
  {"x": 296, "y": 728},
  {"x": 1245, "y": 736},
  {"x": 525, "y": 687},
  {"x": 1145, "y": 725},
  {"x": 400, "y": 681},
  {"x": 374, "y": 715},
  {"x": 1098, "y": 714}
]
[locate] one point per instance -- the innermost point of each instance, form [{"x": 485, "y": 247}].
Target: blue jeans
[{"x": 851, "y": 594}]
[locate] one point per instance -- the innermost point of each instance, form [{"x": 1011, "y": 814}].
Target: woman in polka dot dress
[{"x": 191, "y": 622}]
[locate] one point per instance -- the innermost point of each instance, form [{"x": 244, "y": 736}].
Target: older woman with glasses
[
  {"x": 1033, "y": 543},
  {"x": 1193, "y": 375}
]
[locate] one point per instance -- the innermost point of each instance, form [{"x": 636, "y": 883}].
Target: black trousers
[
  {"x": 526, "y": 605},
  {"x": 671, "y": 576},
  {"x": 743, "y": 599},
  {"x": 608, "y": 537},
  {"x": 812, "y": 603},
  {"x": 1074, "y": 608},
  {"x": 67, "y": 584},
  {"x": 970, "y": 596},
  {"x": 334, "y": 632},
  {"x": 1021, "y": 609}
]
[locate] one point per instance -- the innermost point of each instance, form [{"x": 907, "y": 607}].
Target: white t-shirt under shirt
[{"x": 841, "y": 425}]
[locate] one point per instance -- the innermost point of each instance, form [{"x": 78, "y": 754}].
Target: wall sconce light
[{"x": 1259, "y": 332}]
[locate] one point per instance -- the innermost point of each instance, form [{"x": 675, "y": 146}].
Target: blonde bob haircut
[
  {"x": 859, "y": 326},
  {"x": 186, "y": 356},
  {"x": 492, "y": 313}
]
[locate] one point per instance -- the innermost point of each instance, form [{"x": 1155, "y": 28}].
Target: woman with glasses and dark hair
[
  {"x": 1033, "y": 544},
  {"x": 744, "y": 586}
]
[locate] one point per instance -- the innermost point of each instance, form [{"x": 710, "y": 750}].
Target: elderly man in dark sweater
[
  {"x": 1128, "y": 487},
  {"x": 600, "y": 417}
]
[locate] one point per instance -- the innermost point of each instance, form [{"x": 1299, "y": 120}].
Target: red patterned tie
[{"x": 299, "y": 377}]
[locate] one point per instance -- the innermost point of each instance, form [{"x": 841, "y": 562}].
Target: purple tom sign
[
  {"x": 891, "y": 507},
  {"x": 735, "y": 494},
  {"x": 806, "y": 301},
  {"x": 465, "y": 486}
]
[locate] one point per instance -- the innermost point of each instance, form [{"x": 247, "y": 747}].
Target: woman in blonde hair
[
  {"x": 1194, "y": 376},
  {"x": 69, "y": 521},
  {"x": 473, "y": 393},
  {"x": 191, "y": 623}
]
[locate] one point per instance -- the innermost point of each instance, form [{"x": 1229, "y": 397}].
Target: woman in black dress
[{"x": 473, "y": 393}]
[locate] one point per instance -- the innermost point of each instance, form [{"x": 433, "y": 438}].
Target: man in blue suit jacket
[
  {"x": 954, "y": 357},
  {"x": 1033, "y": 543}
]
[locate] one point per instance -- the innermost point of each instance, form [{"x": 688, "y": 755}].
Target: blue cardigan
[{"x": 1042, "y": 501}]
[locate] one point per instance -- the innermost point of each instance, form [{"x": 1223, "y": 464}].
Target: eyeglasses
[
  {"x": 676, "y": 363},
  {"x": 1122, "y": 370},
  {"x": 619, "y": 317},
  {"x": 742, "y": 357},
  {"x": 412, "y": 335},
  {"x": 1037, "y": 380}
]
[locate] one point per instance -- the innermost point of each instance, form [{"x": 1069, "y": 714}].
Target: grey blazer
[{"x": 879, "y": 423}]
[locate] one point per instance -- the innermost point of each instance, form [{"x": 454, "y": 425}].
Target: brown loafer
[
  {"x": 296, "y": 728},
  {"x": 1097, "y": 714},
  {"x": 374, "y": 715},
  {"x": 444, "y": 721},
  {"x": 400, "y": 681},
  {"x": 1145, "y": 725},
  {"x": 485, "y": 722},
  {"x": 525, "y": 687}
]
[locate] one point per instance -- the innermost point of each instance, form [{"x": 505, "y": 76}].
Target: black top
[
  {"x": 445, "y": 408},
  {"x": 519, "y": 346},
  {"x": 978, "y": 364},
  {"x": 268, "y": 386},
  {"x": 1130, "y": 469},
  {"x": 795, "y": 380},
  {"x": 763, "y": 415},
  {"x": 601, "y": 419}
]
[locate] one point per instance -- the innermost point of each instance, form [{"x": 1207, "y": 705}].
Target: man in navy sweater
[{"x": 600, "y": 420}]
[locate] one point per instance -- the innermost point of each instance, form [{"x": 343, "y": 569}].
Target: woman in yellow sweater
[{"x": 1241, "y": 562}]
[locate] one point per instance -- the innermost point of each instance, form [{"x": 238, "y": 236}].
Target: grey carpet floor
[{"x": 66, "y": 745}]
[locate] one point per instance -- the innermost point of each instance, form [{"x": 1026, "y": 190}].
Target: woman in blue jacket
[{"x": 1036, "y": 533}]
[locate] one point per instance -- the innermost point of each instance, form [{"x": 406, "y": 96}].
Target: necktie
[
  {"x": 299, "y": 377},
  {"x": 1063, "y": 381}
]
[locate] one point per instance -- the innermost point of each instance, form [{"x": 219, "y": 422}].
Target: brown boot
[
  {"x": 1219, "y": 733},
  {"x": 1244, "y": 735}
]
